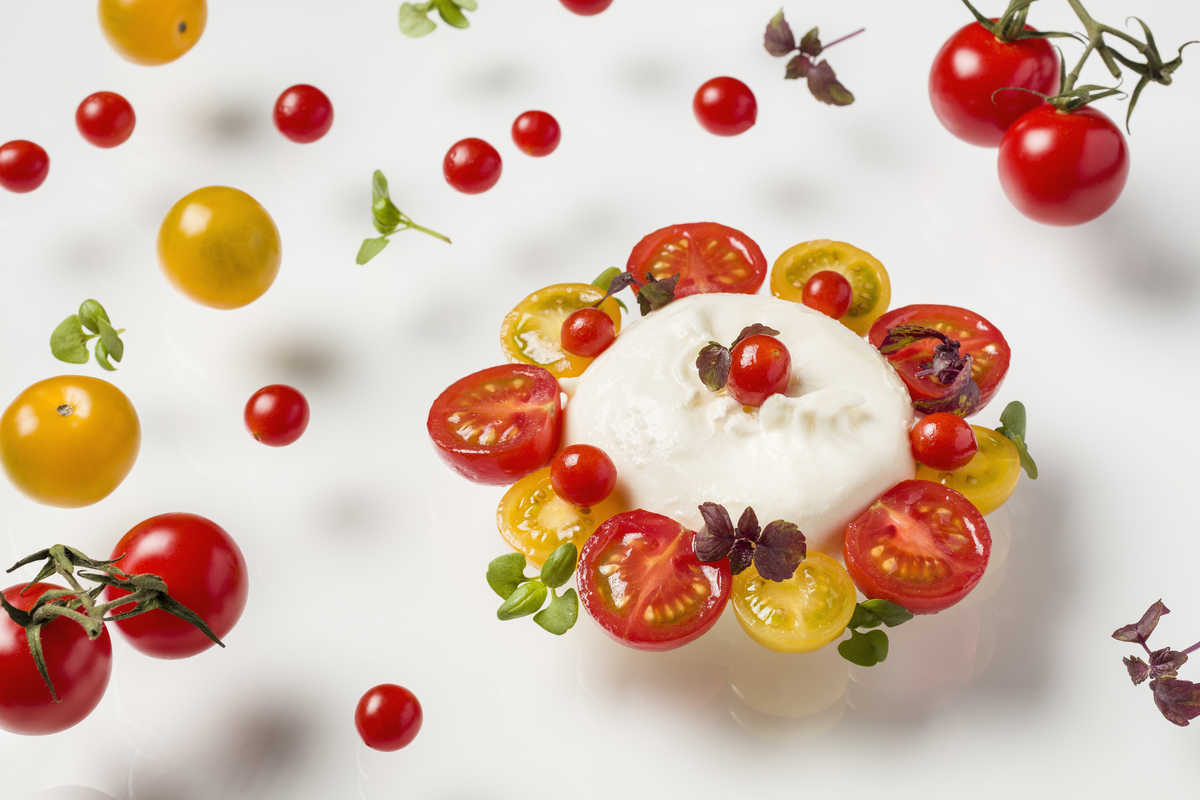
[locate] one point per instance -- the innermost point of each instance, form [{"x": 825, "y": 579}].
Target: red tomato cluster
[{"x": 473, "y": 165}]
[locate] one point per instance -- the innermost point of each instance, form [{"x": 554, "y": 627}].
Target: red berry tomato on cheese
[
  {"x": 583, "y": 475},
  {"x": 276, "y": 415},
  {"x": 828, "y": 292},
  {"x": 761, "y": 366},
  {"x": 972, "y": 76},
  {"x": 79, "y": 668},
  {"x": 105, "y": 119},
  {"x": 725, "y": 106},
  {"x": 303, "y": 113},
  {"x": 472, "y": 166},
  {"x": 588, "y": 332},
  {"x": 943, "y": 441},
  {"x": 1063, "y": 168},
  {"x": 204, "y": 570},
  {"x": 536, "y": 133},
  {"x": 23, "y": 165},
  {"x": 706, "y": 256},
  {"x": 388, "y": 717}
]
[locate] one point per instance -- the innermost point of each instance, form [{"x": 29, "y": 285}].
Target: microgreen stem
[
  {"x": 1191, "y": 649},
  {"x": 841, "y": 39},
  {"x": 429, "y": 231}
]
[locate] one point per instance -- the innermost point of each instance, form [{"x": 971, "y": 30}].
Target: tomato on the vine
[
  {"x": 78, "y": 667},
  {"x": 303, "y": 113},
  {"x": 975, "y": 77},
  {"x": 204, "y": 570},
  {"x": 725, "y": 106},
  {"x": 276, "y": 415},
  {"x": 472, "y": 166},
  {"x": 706, "y": 256},
  {"x": 640, "y": 580},
  {"x": 388, "y": 717},
  {"x": 23, "y": 165},
  {"x": 760, "y": 366},
  {"x": 1063, "y": 167}
]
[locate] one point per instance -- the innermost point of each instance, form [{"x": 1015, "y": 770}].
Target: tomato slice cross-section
[{"x": 706, "y": 256}]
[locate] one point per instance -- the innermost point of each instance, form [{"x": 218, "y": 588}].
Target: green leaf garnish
[
  {"x": 525, "y": 600},
  {"x": 1012, "y": 427},
  {"x": 865, "y": 649},
  {"x": 451, "y": 14},
  {"x": 871, "y": 647},
  {"x": 69, "y": 340},
  {"x": 560, "y": 565},
  {"x": 387, "y": 219},
  {"x": 561, "y": 614},
  {"x": 414, "y": 17},
  {"x": 505, "y": 573},
  {"x": 604, "y": 282},
  {"x": 524, "y": 596}
]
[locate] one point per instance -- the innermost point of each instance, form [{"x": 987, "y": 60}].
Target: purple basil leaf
[
  {"x": 810, "y": 43},
  {"x": 1138, "y": 670},
  {"x": 1166, "y": 662},
  {"x": 824, "y": 85},
  {"x": 617, "y": 284},
  {"x": 779, "y": 39},
  {"x": 902, "y": 336},
  {"x": 964, "y": 402},
  {"x": 713, "y": 364},
  {"x": 740, "y": 555},
  {"x": 655, "y": 294},
  {"x": 780, "y": 550},
  {"x": 947, "y": 364},
  {"x": 1178, "y": 700},
  {"x": 1140, "y": 631},
  {"x": 747, "y": 527},
  {"x": 754, "y": 330},
  {"x": 716, "y": 537},
  {"x": 797, "y": 67}
]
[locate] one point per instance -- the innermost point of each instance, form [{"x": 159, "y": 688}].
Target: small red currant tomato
[
  {"x": 725, "y": 106},
  {"x": 536, "y": 133},
  {"x": 105, "y": 119},
  {"x": 943, "y": 441},
  {"x": 303, "y": 113},
  {"x": 583, "y": 475},
  {"x": 588, "y": 332},
  {"x": 388, "y": 717},
  {"x": 276, "y": 415},
  {"x": 472, "y": 166},
  {"x": 828, "y": 292},
  {"x": 761, "y": 367},
  {"x": 23, "y": 165},
  {"x": 587, "y": 8}
]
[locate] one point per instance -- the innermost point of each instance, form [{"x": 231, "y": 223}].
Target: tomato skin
[
  {"x": 828, "y": 292},
  {"x": 388, "y": 717},
  {"x": 69, "y": 441},
  {"x": 152, "y": 32},
  {"x": 588, "y": 332},
  {"x": 1063, "y": 168},
  {"x": 978, "y": 337},
  {"x": 587, "y": 8},
  {"x": 918, "y": 525},
  {"x": 204, "y": 570},
  {"x": 761, "y": 366},
  {"x": 943, "y": 441},
  {"x": 536, "y": 411},
  {"x": 23, "y": 165},
  {"x": 79, "y": 669},
  {"x": 303, "y": 113},
  {"x": 472, "y": 166},
  {"x": 725, "y": 106},
  {"x": 534, "y": 520},
  {"x": 696, "y": 252},
  {"x": 105, "y": 119},
  {"x": 989, "y": 478},
  {"x": 583, "y": 475},
  {"x": 871, "y": 287},
  {"x": 536, "y": 133},
  {"x": 638, "y": 542},
  {"x": 276, "y": 415},
  {"x": 971, "y": 69}
]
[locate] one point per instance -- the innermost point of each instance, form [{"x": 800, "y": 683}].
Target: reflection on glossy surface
[
  {"x": 789, "y": 685},
  {"x": 70, "y": 793}
]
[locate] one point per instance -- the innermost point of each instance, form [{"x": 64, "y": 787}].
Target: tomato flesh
[
  {"x": 977, "y": 337},
  {"x": 706, "y": 256},
  {"x": 921, "y": 545},
  {"x": 534, "y": 520},
  {"x": 639, "y": 578},
  {"x": 498, "y": 424}
]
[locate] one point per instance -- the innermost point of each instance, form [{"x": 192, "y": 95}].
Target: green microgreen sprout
[
  {"x": 1012, "y": 427},
  {"x": 388, "y": 220},
  {"x": 868, "y": 644},
  {"x": 415, "y": 21},
  {"x": 524, "y": 595},
  {"x": 69, "y": 341}
]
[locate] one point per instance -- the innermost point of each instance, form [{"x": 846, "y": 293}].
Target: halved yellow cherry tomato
[
  {"x": 69, "y": 441},
  {"x": 532, "y": 332},
  {"x": 869, "y": 280},
  {"x": 535, "y": 521},
  {"x": 989, "y": 478},
  {"x": 806, "y": 612},
  {"x": 220, "y": 247},
  {"x": 152, "y": 32}
]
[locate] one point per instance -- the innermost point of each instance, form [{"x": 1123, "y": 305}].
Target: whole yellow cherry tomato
[
  {"x": 69, "y": 441},
  {"x": 868, "y": 278},
  {"x": 532, "y": 332},
  {"x": 989, "y": 478},
  {"x": 534, "y": 520},
  {"x": 219, "y": 247},
  {"x": 152, "y": 32}
]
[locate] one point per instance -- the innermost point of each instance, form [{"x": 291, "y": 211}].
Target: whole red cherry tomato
[
  {"x": 303, "y": 113},
  {"x": 105, "y": 119},
  {"x": 725, "y": 106},
  {"x": 583, "y": 475},
  {"x": 971, "y": 72},
  {"x": 761, "y": 366},
  {"x": 472, "y": 166},
  {"x": 79, "y": 669},
  {"x": 587, "y": 8},
  {"x": 1063, "y": 167},
  {"x": 828, "y": 292},
  {"x": 536, "y": 133},
  {"x": 204, "y": 570},
  {"x": 276, "y": 415},
  {"x": 23, "y": 165},
  {"x": 388, "y": 717},
  {"x": 588, "y": 332},
  {"x": 943, "y": 441}
]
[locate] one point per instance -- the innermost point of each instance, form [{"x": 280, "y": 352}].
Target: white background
[{"x": 366, "y": 554}]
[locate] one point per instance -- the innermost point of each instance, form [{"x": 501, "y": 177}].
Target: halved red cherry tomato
[
  {"x": 978, "y": 338},
  {"x": 706, "y": 256},
  {"x": 639, "y": 578},
  {"x": 498, "y": 424},
  {"x": 921, "y": 544}
]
